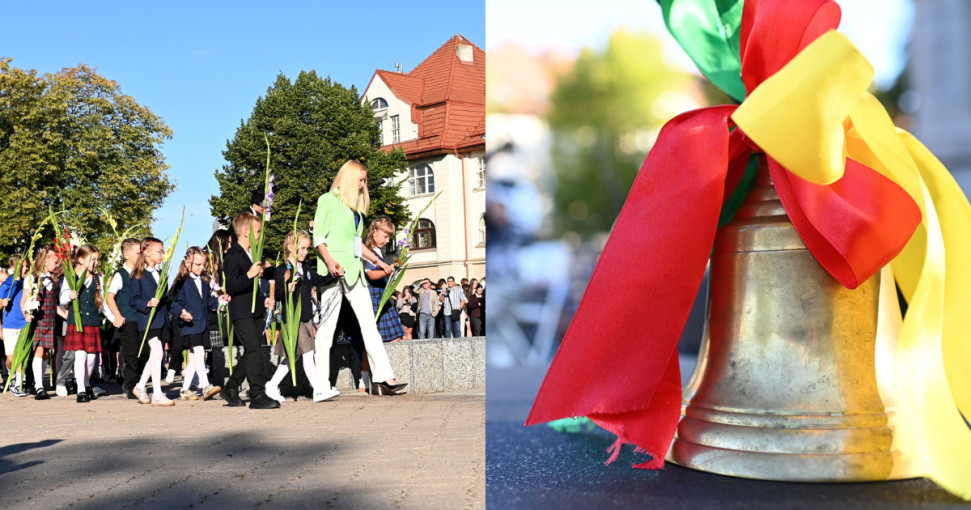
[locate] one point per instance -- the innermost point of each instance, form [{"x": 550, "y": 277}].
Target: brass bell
[{"x": 794, "y": 379}]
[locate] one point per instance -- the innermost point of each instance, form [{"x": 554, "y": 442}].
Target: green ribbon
[{"x": 708, "y": 30}]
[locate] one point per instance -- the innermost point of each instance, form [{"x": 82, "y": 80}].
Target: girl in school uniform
[
  {"x": 86, "y": 343},
  {"x": 296, "y": 273},
  {"x": 191, "y": 306},
  {"x": 379, "y": 233},
  {"x": 144, "y": 282},
  {"x": 46, "y": 272}
]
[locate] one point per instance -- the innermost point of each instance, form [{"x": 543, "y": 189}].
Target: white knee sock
[
  {"x": 80, "y": 366},
  {"x": 92, "y": 362},
  {"x": 38, "y": 366},
  {"x": 281, "y": 371},
  {"x": 310, "y": 367},
  {"x": 198, "y": 359}
]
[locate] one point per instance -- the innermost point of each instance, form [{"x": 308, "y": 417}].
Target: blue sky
[{"x": 202, "y": 65}]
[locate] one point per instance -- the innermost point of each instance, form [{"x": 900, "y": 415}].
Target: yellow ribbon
[{"x": 809, "y": 117}]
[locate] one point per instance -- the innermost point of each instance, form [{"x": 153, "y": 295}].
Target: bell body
[{"x": 794, "y": 378}]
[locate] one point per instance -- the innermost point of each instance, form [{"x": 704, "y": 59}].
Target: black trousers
[
  {"x": 477, "y": 329},
  {"x": 134, "y": 364},
  {"x": 249, "y": 332}
]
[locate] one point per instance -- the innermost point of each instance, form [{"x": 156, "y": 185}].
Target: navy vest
[
  {"x": 88, "y": 305},
  {"x": 122, "y": 297}
]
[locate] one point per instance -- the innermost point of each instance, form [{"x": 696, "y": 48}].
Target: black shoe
[
  {"x": 91, "y": 395},
  {"x": 41, "y": 394},
  {"x": 83, "y": 397},
  {"x": 72, "y": 386},
  {"x": 383, "y": 388},
  {"x": 397, "y": 387},
  {"x": 130, "y": 395},
  {"x": 263, "y": 402},
  {"x": 231, "y": 396}
]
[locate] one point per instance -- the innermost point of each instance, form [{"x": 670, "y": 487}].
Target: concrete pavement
[{"x": 410, "y": 451}]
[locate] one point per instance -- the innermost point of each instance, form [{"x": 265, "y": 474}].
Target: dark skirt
[
  {"x": 194, "y": 340},
  {"x": 88, "y": 340},
  {"x": 407, "y": 320},
  {"x": 389, "y": 325}
]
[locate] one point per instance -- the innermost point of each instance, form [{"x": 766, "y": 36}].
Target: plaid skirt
[
  {"x": 89, "y": 340},
  {"x": 389, "y": 325},
  {"x": 45, "y": 319},
  {"x": 215, "y": 339}
]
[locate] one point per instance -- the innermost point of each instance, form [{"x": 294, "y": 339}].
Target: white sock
[
  {"x": 310, "y": 367},
  {"x": 92, "y": 363},
  {"x": 80, "y": 362},
  {"x": 281, "y": 371},
  {"x": 188, "y": 372},
  {"x": 201, "y": 375},
  {"x": 38, "y": 366},
  {"x": 155, "y": 362}
]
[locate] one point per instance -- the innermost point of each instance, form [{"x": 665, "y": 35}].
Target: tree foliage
[
  {"x": 73, "y": 141},
  {"x": 314, "y": 125},
  {"x": 604, "y": 116}
]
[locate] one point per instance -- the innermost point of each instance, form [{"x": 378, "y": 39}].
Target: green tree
[
  {"x": 314, "y": 125},
  {"x": 604, "y": 116},
  {"x": 72, "y": 140}
]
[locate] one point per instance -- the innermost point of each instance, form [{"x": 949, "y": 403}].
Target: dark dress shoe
[
  {"x": 83, "y": 397},
  {"x": 397, "y": 387},
  {"x": 231, "y": 396},
  {"x": 72, "y": 386},
  {"x": 91, "y": 395},
  {"x": 130, "y": 395},
  {"x": 383, "y": 388},
  {"x": 263, "y": 402},
  {"x": 41, "y": 394}
]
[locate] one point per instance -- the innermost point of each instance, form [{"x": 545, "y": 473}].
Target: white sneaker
[
  {"x": 320, "y": 396},
  {"x": 61, "y": 390},
  {"x": 98, "y": 392},
  {"x": 16, "y": 391},
  {"x": 274, "y": 393},
  {"x": 170, "y": 377}
]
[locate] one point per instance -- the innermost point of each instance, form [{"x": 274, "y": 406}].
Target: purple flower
[{"x": 401, "y": 242}]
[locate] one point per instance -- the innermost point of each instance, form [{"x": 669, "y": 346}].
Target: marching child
[
  {"x": 191, "y": 308},
  {"x": 295, "y": 276},
  {"x": 126, "y": 317},
  {"x": 11, "y": 292},
  {"x": 86, "y": 343},
  {"x": 144, "y": 282},
  {"x": 46, "y": 272}
]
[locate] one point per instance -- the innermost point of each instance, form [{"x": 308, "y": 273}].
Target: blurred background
[{"x": 576, "y": 95}]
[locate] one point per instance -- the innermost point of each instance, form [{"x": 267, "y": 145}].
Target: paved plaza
[{"x": 359, "y": 451}]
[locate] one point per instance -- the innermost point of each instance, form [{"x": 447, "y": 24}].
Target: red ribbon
[{"x": 618, "y": 363}]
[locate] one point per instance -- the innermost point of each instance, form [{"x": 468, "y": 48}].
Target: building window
[
  {"x": 395, "y": 129},
  {"x": 379, "y": 104},
  {"x": 482, "y": 230},
  {"x": 421, "y": 180},
  {"x": 480, "y": 174},
  {"x": 424, "y": 235},
  {"x": 381, "y": 130}
]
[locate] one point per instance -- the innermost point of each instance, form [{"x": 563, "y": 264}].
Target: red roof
[{"x": 447, "y": 97}]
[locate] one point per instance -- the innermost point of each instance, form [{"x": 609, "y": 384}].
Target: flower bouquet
[
  {"x": 62, "y": 243},
  {"x": 256, "y": 244},
  {"x": 291, "y": 326},
  {"x": 31, "y": 287}
]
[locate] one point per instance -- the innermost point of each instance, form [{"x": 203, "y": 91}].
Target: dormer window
[{"x": 379, "y": 104}]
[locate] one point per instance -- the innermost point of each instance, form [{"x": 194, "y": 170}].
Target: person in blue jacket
[{"x": 190, "y": 307}]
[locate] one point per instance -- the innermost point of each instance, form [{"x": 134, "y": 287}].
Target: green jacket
[{"x": 334, "y": 226}]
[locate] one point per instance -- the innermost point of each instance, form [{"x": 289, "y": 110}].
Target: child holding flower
[
  {"x": 11, "y": 292},
  {"x": 46, "y": 272},
  {"x": 296, "y": 273},
  {"x": 126, "y": 317},
  {"x": 144, "y": 284},
  {"x": 87, "y": 342},
  {"x": 191, "y": 307}
]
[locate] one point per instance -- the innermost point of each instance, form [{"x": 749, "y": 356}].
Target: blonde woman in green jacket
[{"x": 338, "y": 225}]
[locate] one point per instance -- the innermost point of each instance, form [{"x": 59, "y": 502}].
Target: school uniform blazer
[
  {"x": 334, "y": 226},
  {"x": 302, "y": 289},
  {"x": 142, "y": 291},
  {"x": 240, "y": 287},
  {"x": 188, "y": 298}
]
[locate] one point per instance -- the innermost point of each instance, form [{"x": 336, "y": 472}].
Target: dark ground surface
[{"x": 537, "y": 467}]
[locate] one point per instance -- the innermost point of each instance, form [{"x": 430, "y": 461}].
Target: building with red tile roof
[{"x": 436, "y": 114}]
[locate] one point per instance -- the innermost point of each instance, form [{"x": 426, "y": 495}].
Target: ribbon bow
[{"x": 859, "y": 192}]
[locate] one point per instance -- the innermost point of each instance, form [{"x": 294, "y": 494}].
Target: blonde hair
[
  {"x": 139, "y": 270},
  {"x": 291, "y": 241},
  {"x": 380, "y": 223},
  {"x": 345, "y": 183},
  {"x": 242, "y": 222}
]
